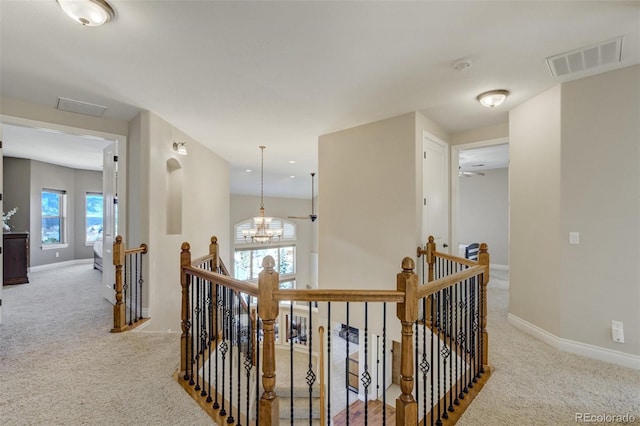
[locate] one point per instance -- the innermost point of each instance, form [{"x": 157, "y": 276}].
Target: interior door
[
  {"x": 435, "y": 187},
  {"x": 109, "y": 226}
]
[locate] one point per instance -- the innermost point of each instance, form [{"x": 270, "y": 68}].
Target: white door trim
[{"x": 455, "y": 160}]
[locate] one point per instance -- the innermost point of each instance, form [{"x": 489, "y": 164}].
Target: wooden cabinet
[{"x": 15, "y": 257}]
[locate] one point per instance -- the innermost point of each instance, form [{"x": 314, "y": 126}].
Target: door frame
[
  {"x": 78, "y": 131},
  {"x": 426, "y": 135},
  {"x": 455, "y": 185}
]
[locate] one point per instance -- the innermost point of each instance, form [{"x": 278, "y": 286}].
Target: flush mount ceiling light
[
  {"x": 180, "y": 148},
  {"x": 492, "y": 98},
  {"x": 90, "y": 13}
]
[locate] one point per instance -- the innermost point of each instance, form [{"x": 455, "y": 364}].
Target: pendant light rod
[{"x": 262, "y": 147}]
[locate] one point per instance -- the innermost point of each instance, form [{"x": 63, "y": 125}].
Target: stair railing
[
  {"x": 431, "y": 315},
  {"x": 127, "y": 311}
]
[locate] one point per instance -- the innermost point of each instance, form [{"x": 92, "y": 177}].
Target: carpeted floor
[{"x": 59, "y": 365}]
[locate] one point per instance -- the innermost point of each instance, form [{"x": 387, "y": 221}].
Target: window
[
  {"x": 54, "y": 214},
  {"x": 248, "y": 262},
  {"x": 93, "y": 217}
]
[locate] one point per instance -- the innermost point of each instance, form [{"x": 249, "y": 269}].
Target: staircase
[{"x": 300, "y": 390}]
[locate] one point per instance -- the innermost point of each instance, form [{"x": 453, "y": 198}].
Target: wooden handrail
[
  {"x": 448, "y": 281},
  {"x": 142, "y": 249},
  {"x": 226, "y": 281},
  {"x": 326, "y": 295},
  {"x": 456, "y": 259}
]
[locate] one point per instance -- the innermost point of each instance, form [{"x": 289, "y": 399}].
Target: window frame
[
  {"x": 86, "y": 217},
  {"x": 62, "y": 217}
]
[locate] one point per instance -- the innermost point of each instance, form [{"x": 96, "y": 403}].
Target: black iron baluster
[
  {"x": 424, "y": 364},
  {"x": 330, "y": 361},
  {"x": 248, "y": 358},
  {"x": 456, "y": 302},
  {"x": 482, "y": 315},
  {"x": 445, "y": 350},
  {"x": 366, "y": 377},
  {"x": 467, "y": 351},
  {"x": 311, "y": 377},
  {"x": 224, "y": 346},
  {"x": 384, "y": 363},
  {"x": 257, "y": 365},
  {"x": 210, "y": 305},
  {"x": 233, "y": 335},
  {"x": 474, "y": 328},
  {"x": 216, "y": 405},
  {"x": 186, "y": 340},
  {"x": 438, "y": 328},
  {"x": 136, "y": 284},
  {"x": 346, "y": 371},
  {"x": 203, "y": 331},
  {"x": 131, "y": 289},
  {"x": 197, "y": 337},
  {"x": 194, "y": 285},
  {"x": 239, "y": 329},
  {"x": 291, "y": 361},
  {"x": 431, "y": 329},
  {"x": 451, "y": 343},
  {"x": 416, "y": 389},
  {"x": 141, "y": 282}
]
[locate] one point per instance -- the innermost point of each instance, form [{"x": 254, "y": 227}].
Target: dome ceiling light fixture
[
  {"x": 492, "y": 98},
  {"x": 89, "y": 13}
]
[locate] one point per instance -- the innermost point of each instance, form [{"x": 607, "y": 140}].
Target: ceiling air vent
[
  {"x": 586, "y": 58},
  {"x": 80, "y": 107}
]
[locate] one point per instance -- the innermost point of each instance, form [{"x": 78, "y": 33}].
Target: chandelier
[{"x": 262, "y": 231}]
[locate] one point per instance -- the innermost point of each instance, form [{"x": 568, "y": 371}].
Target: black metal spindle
[
  {"x": 311, "y": 377},
  {"x": 483, "y": 295},
  {"x": 291, "y": 361},
  {"x": 445, "y": 350},
  {"x": 197, "y": 338},
  {"x": 346, "y": 371},
  {"x": 141, "y": 282},
  {"x": 416, "y": 345},
  {"x": 193, "y": 286},
  {"x": 233, "y": 335},
  {"x": 456, "y": 401},
  {"x": 467, "y": 329},
  {"x": 330, "y": 361},
  {"x": 384, "y": 363},
  {"x": 424, "y": 364},
  {"x": 224, "y": 346},
  {"x": 210, "y": 307},
  {"x": 432, "y": 316},
  {"x": 135, "y": 307},
  {"x": 366, "y": 377},
  {"x": 239, "y": 333},
  {"x": 257, "y": 365},
  {"x": 474, "y": 328},
  {"x": 438, "y": 318},
  {"x": 131, "y": 289},
  {"x": 451, "y": 343},
  {"x": 216, "y": 405},
  {"x": 248, "y": 358}
]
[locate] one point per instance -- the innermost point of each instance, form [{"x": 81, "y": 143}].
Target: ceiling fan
[
  {"x": 313, "y": 216},
  {"x": 470, "y": 174}
]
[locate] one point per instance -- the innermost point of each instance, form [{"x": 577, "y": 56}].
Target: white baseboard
[
  {"x": 578, "y": 348},
  {"x": 499, "y": 267},
  {"x": 60, "y": 264},
  {"x": 146, "y": 313}
]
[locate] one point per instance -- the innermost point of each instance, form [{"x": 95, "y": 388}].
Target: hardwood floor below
[{"x": 374, "y": 414}]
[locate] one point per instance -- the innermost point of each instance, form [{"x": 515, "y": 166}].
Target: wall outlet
[
  {"x": 57, "y": 254},
  {"x": 617, "y": 331}
]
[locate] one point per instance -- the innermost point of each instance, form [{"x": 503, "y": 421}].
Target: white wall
[
  {"x": 245, "y": 207},
  {"x": 534, "y": 191},
  {"x": 575, "y": 166},
  {"x": 205, "y": 210},
  {"x": 483, "y": 212},
  {"x": 601, "y": 199}
]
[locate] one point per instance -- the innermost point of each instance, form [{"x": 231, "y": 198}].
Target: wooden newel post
[
  {"x": 185, "y": 338},
  {"x": 484, "y": 260},
  {"x": 431, "y": 256},
  {"x": 407, "y": 312},
  {"x": 213, "y": 251},
  {"x": 269, "y": 410},
  {"x": 119, "y": 309}
]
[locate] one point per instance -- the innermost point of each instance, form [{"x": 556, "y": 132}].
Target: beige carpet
[
  {"x": 535, "y": 384},
  {"x": 59, "y": 365}
]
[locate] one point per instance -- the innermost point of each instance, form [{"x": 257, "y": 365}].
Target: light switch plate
[{"x": 574, "y": 238}]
